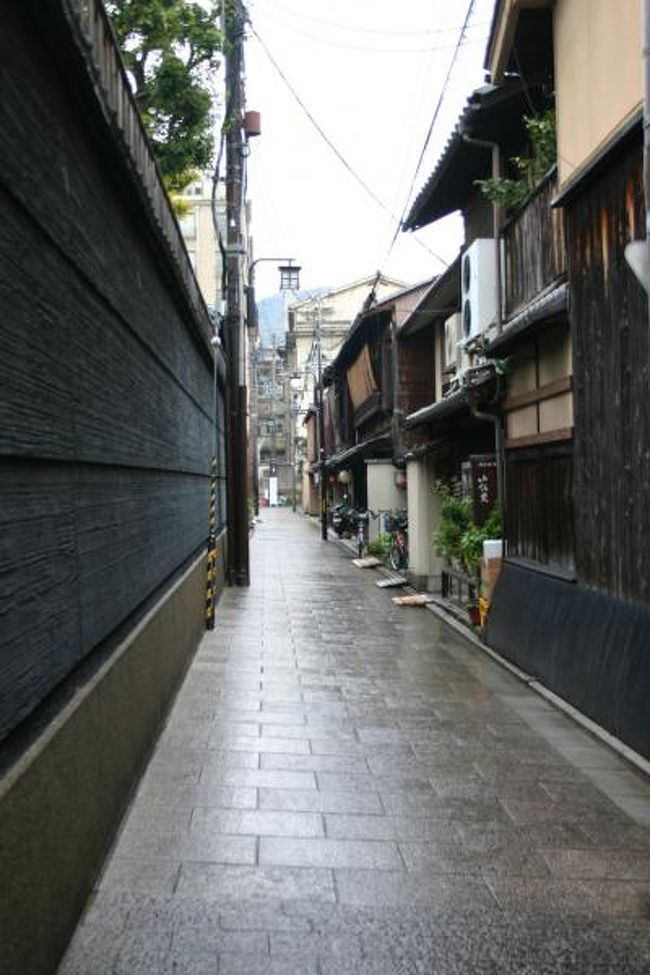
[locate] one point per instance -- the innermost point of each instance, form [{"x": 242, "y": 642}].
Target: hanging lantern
[{"x": 289, "y": 277}]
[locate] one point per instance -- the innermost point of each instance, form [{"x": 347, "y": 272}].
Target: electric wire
[
  {"x": 531, "y": 105},
  {"x": 390, "y": 31},
  {"x": 427, "y": 140},
  {"x": 424, "y": 76},
  {"x": 380, "y": 203},
  {"x": 366, "y": 49},
  {"x": 524, "y": 83}
]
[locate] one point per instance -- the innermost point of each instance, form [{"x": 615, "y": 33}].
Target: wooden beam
[
  {"x": 548, "y": 391},
  {"x": 536, "y": 439}
]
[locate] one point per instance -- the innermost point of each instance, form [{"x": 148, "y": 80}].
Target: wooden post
[{"x": 238, "y": 554}]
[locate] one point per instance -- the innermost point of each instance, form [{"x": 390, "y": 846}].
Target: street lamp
[
  {"x": 289, "y": 277},
  {"x": 289, "y": 272}
]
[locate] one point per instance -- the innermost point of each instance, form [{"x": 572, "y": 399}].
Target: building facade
[
  {"x": 541, "y": 351},
  {"x": 316, "y": 330}
]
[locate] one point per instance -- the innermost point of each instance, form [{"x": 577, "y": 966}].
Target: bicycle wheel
[
  {"x": 394, "y": 555},
  {"x": 403, "y": 558}
]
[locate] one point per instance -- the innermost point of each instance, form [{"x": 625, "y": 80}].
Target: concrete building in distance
[
  {"x": 197, "y": 228},
  {"x": 270, "y": 411},
  {"x": 316, "y": 329}
]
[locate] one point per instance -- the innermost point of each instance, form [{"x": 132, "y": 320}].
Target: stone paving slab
[{"x": 346, "y": 786}]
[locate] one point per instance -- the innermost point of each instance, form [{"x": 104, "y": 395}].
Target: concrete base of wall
[
  {"x": 425, "y": 583},
  {"x": 63, "y": 798}
]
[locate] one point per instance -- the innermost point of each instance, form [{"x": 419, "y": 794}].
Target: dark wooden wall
[
  {"x": 534, "y": 248},
  {"x": 105, "y": 379},
  {"x": 611, "y": 349},
  {"x": 539, "y": 510},
  {"x": 416, "y": 371},
  {"x": 587, "y": 646}
]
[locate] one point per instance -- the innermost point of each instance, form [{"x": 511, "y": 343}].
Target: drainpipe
[
  {"x": 496, "y": 219},
  {"x": 495, "y": 420},
  {"x": 396, "y": 422}
]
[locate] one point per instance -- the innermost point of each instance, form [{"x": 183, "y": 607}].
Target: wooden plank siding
[
  {"x": 416, "y": 372},
  {"x": 611, "y": 354},
  {"x": 539, "y": 512},
  {"x": 106, "y": 382},
  {"x": 534, "y": 248}
]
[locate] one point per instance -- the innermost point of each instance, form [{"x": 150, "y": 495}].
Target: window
[
  {"x": 267, "y": 390},
  {"x": 188, "y": 224}
]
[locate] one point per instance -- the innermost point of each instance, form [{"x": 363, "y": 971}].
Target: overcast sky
[{"x": 370, "y": 72}]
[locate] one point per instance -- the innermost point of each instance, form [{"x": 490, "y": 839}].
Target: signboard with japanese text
[{"x": 479, "y": 481}]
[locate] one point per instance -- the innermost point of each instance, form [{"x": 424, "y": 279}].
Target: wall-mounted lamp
[
  {"x": 289, "y": 277},
  {"x": 289, "y": 272}
]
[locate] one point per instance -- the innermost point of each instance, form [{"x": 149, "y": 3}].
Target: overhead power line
[
  {"x": 380, "y": 203},
  {"x": 369, "y": 48},
  {"x": 386, "y": 31},
  {"x": 441, "y": 98}
]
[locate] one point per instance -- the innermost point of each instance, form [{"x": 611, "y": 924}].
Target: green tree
[
  {"x": 531, "y": 168},
  {"x": 170, "y": 48}
]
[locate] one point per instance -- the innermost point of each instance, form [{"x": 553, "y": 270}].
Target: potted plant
[
  {"x": 455, "y": 519},
  {"x": 474, "y": 613}
]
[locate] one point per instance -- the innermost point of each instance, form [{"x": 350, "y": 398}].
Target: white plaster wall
[
  {"x": 598, "y": 74},
  {"x": 424, "y": 513},
  {"x": 383, "y": 493}
]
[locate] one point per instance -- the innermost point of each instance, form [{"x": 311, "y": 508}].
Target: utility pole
[
  {"x": 321, "y": 427},
  {"x": 238, "y": 556},
  {"x": 273, "y": 466}
]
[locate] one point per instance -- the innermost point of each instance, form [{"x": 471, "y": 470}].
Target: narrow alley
[{"x": 344, "y": 785}]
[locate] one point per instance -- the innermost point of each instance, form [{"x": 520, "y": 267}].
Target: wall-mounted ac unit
[
  {"x": 453, "y": 335},
  {"x": 478, "y": 287}
]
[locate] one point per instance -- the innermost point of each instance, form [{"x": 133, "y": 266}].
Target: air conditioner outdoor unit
[
  {"x": 478, "y": 287},
  {"x": 453, "y": 335}
]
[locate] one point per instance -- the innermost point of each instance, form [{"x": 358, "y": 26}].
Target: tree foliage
[
  {"x": 530, "y": 169},
  {"x": 170, "y": 49},
  {"x": 458, "y": 538}
]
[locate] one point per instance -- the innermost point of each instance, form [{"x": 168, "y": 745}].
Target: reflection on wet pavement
[{"x": 347, "y": 786}]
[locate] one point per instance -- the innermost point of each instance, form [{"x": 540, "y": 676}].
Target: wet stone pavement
[{"x": 344, "y": 786}]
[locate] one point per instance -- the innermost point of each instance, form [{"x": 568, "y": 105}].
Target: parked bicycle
[
  {"x": 396, "y": 524},
  {"x": 343, "y": 519},
  {"x": 361, "y": 534}
]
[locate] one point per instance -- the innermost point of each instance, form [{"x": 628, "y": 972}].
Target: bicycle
[
  {"x": 362, "y": 520},
  {"x": 396, "y": 524}
]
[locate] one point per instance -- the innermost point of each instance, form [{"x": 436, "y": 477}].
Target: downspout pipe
[
  {"x": 496, "y": 220},
  {"x": 396, "y": 421}
]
